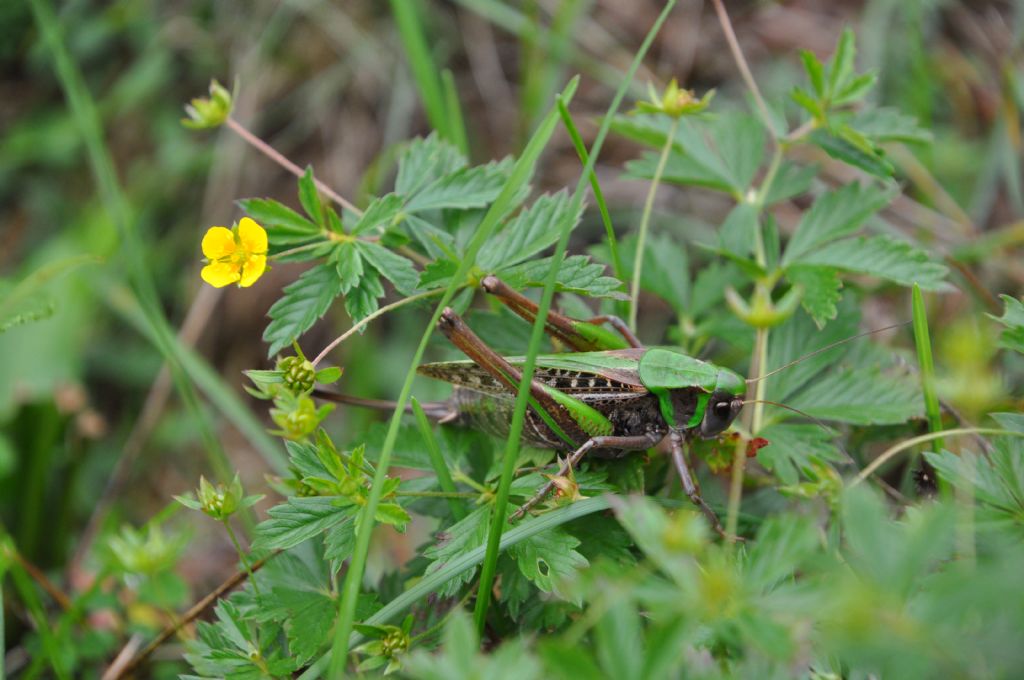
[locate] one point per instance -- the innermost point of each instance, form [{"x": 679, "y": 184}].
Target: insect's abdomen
[{"x": 631, "y": 414}]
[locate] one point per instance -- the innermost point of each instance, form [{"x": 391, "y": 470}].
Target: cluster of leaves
[{"x": 436, "y": 206}]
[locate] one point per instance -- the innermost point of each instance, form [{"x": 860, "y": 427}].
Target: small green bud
[
  {"x": 209, "y": 112},
  {"x": 761, "y": 312},
  {"x": 674, "y": 101},
  {"x": 298, "y": 374},
  {"x": 219, "y": 501}
]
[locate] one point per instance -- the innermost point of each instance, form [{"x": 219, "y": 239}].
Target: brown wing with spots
[{"x": 577, "y": 383}]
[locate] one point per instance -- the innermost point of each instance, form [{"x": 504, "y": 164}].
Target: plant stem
[
  {"x": 444, "y": 478},
  {"x": 370, "y": 317},
  {"x": 914, "y": 441},
  {"x": 437, "y": 494},
  {"x": 274, "y": 155},
  {"x": 192, "y": 614},
  {"x": 741, "y": 63},
  {"x": 242, "y": 556},
  {"x": 645, "y": 220}
]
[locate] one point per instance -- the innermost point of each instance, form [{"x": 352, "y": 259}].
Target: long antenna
[
  {"x": 825, "y": 349},
  {"x": 817, "y": 422}
]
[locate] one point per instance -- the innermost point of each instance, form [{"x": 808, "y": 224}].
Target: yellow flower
[{"x": 238, "y": 255}]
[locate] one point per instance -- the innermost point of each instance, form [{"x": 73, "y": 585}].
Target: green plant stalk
[
  {"x": 456, "y": 123},
  {"x": 83, "y": 110},
  {"x": 444, "y": 478},
  {"x": 242, "y": 556},
  {"x": 645, "y": 221},
  {"x": 3, "y": 633},
  {"x": 526, "y": 529},
  {"x": 889, "y": 453},
  {"x": 424, "y": 70},
  {"x": 353, "y": 578},
  {"x": 595, "y": 186},
  {"x": 924, "y": 358},
  {"x": 51, "y": 649},
  {"x": 490, "y": 565}
]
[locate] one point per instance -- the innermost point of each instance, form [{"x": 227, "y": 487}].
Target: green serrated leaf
[
  {"x": 576, "y": 275},
  {"x": 815, "y": 72},
  {"x": 379, "y": 214},
  {"x": 861, "y": 395},
  {"x": 349, "y": 266},
  {"x": 807, "y": 103},
  {"x": 549, "y": 558},
  {"x": 304, "y": 301},
  {"x": 883, "y": 257},
  {"x": 885, "y": 124},
  {"x": 790, "y": 180},
  {"x": 836, "y": 214},
  {"x": 361, "y": 300},
  {"x": 458, "y": 539},
  {"x": 309, "y": 197},
  {"x": 395, "y": 268},
  {"x": 424, "y": 161},
  {"x": 298, "y": 520},
  {"x": 795, "y": 447},
  {"x": 855, "y": 89},
  {"x": 284, "y": 226},
  {"x": 739, "y": 230},
  {"x": 845, "y": 146},
  {"x": 841, "y": 65},
  {"x": 1012, "y": 336},
  {"x": 526, "y": 235},
  {"x": 821, "y": 287},
  {"x": 739, "y": 140},
  {"x": 466, "y": 188}
]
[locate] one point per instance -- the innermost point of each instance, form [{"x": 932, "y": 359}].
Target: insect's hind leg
[
  {"x": 582, "y": 336},
  {"x": 676, "y": 442},
  {"x": 632, "y": 443}
]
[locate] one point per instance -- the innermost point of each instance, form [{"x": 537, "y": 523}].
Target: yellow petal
[
  {"x": 219, "y": 242},
  {"x": 252, "y": 236},
  {"x": 220, "y": 274},
  {"x": 252, "y": 270}
]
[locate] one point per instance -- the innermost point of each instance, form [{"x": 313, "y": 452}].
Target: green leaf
[
  {"x": 424, "y": 161},
  {"x": 466, "y": 188},
  {"x": 739, "y": 230},
  {"x": 298, "y": 520},
  {"x": 815, "y": 71},
  {"x": 1012, "y": 336},
  {"x": 526, "y": 235},
  {"x": 783, "y": 545},
  {"x": 794, "y": 448},
  {"x": 361, "y": 300},
  {"x": 807, "y": 102},
  {"x": 853, "y": 149},
  {"x": 309, "y": 197},
  {"x": 884, "y": 257},
  {"x": 459, "y": 539},
  {"x": 692, "y": 160},
  {"x": 790, "y": 180},
  {"x": 576, "y": 275},
  {"x": 380, "y": 213},
  {"x": 349, "y": 266},
  {"x": 739, "y": 140},
  {"x": 885, "y": 124},
  {"x": 855, "y": 90},
  {"x": 996, "y": 480},
  {"x": 284, "y": 226},
  {"x": 666, "y": 270},
  {"x": 393, "y": 514},
  {"x": 304, "y": 301},
  {"x": 395, "y": 268},
  {"x": 820, "y": 290},
  {"x": 842, "y": 63},
  {"x": 548, "y": 559},
  {"x": 24, "y": 301},
  {"x": 32, "y": 309},
  {"x": 862, "y": 396},
  {"x": 836, "y": 214}
]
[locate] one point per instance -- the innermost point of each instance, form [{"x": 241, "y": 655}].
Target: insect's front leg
[
  {"x": 632, "y": 443},
  {"x": 676, "y": 441},
  {"x": 582, "y": 336}
]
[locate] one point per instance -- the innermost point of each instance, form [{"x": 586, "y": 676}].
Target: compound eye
[{"x": 721, "y": 410}]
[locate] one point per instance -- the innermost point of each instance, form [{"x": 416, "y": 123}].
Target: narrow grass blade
[
  {"x": 424, "y": 71},
  {"x": 444, "y": 478},
  {"x": 519, "y": 413},
  {"x": 83, "y": 110},
  {"x": 924, "y": 358},
  {"x": 456, "y": 123},
  {"x": 50, "y": 652},
  {"x": 520, "y": 175}
]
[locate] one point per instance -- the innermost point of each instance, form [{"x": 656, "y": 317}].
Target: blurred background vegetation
[{"x": 82, "y": 397}]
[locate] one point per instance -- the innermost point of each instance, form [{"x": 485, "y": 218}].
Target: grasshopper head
[{"x": 722, "y": 408}]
